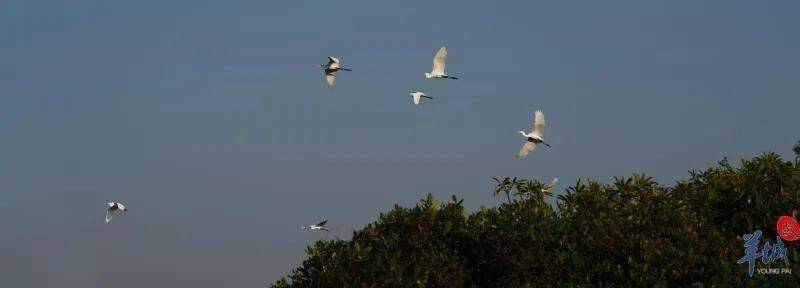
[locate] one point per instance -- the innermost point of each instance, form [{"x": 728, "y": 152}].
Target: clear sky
[{"x": 211, "y": 120}]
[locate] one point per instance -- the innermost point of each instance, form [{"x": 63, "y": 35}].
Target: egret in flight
[
  {"x": 534, "y": 137},
  {"x": 331, "y": 68},
  {"x": 114, "y": 207},
  {"x": 416, "y": 95},
  {"x": 548, "y": 186},
  {"x": 438, "y": 65},
  {"x": 318, "y": 226}
]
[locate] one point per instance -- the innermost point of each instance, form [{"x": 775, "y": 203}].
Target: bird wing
[
  {"x": 439, "y": 60},
  {"x": 538, "y": 124},
  {"x": 551, "y": 184},
  {"x": 416, "y": 97},
  {"x": 330, "y": 76},
  {"x": 320, "y": 224},
  {"x": 333, "y": 63},
  {"x": 526, "y": 148},
  {"x": 109, "y": 214}
]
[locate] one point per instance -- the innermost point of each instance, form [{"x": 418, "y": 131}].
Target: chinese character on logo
[{"x": 768, "y": 254}]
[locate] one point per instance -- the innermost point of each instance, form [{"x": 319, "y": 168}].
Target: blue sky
[{"x": 211, "y": 121}]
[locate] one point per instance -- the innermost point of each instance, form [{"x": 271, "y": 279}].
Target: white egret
[
  {"x": 416, "y": 95},
  {"x": 550, "y": 185},
  {"x": 331, "y": 68},
  {"x": 114, "y": 207},
  {"x": 438, "y": 66},
  {"x": 534, "y": 137},
  {"x": 318, "y": 226}
]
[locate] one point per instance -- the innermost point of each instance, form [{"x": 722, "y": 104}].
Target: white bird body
[
  {"x": 333, "y": 63},
  {"x": 535, "y": 136},
  {"x": 531, "y": 135},
  {"x": 330, "y": 68},
  {"x": 550, "y": 185},
  {"x": 113, "y": 208},
  {"x": 318, "y": 226},
  {"x": 439, "y": 62},
  {"x": 416, "y": 96}
]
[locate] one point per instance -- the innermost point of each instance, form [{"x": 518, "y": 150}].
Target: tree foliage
[{"x": 633, "y": 232}]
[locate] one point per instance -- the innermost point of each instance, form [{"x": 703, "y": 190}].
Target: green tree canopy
[{"x": 633, "y": 232}]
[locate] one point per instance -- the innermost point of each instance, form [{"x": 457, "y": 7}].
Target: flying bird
[
  {"x": 438, "y": 66},
  {"x": 550, "y": 185},
  {"x": 114, "y": 207},
  {"x": 318, "y": 226},
  {"x": 534, "y": 137},
  {"x": 331, "y": 68},
  {"x": 416, "y": 95}
]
